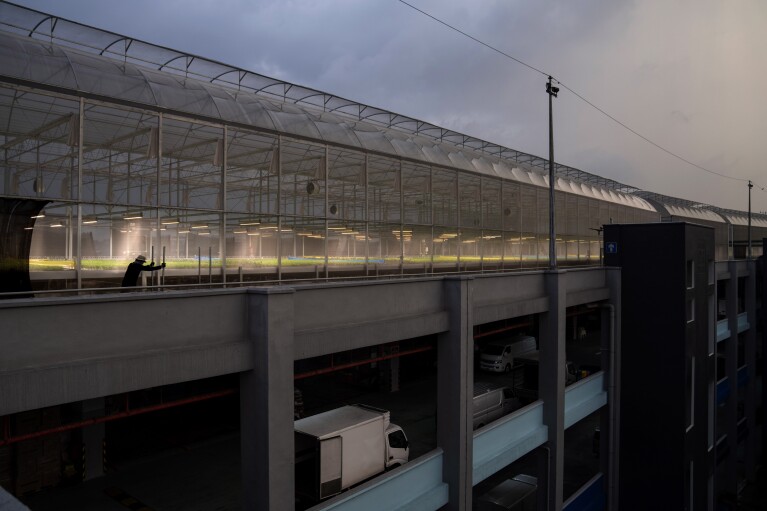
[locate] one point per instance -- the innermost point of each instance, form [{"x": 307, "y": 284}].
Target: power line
[
  {"x": 598, "y": 109},
  {"x": 648, "y": 140},
  {"x": 451, "y": 27}
]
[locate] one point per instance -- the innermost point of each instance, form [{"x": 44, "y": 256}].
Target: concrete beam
[
  {"x": 45, "y": 332},
  {"x": 507, "y": 310},
  {"x": 48, "y": 385},
  {"x": 313, "y": 342}
]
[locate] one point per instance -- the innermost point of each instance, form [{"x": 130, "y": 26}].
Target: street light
[{"x": 552, "y": 92}]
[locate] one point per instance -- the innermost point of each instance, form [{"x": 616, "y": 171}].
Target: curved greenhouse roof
[
  {"x": 36, "y": 61},
  {"x": 39, "y": 48}
]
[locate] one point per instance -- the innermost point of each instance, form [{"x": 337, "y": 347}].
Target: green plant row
[{"x": 254, "y": 262}]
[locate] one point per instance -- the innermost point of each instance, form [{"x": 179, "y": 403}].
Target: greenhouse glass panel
[
  {"x": 571, "y": 248},
  {"x": 346, "y": 243},
  {"x": 471, "y": 247},
  {"x": 54, "y": 241},
  {"x": 199, "y": 235},
  {"x": 530, "y": 212},
  {"x": 584, "y": 250},
  {"x": 492, "y": 248},
  {"x": 529, "y": 249},
  {"x": 470, "y": 200},
  {"x": 560, "y": 210},
  {"x": 444, "y": 189},
  {"x": 418, "y": 244},
  {"x": 594, "y": 220},
  {"x": 346, "y": 185},
  {"x": 251, "y": 172},
  {"x": 303, "y": 184},
  {"x": 512, "y": 210},
  {"x": 119, "y": 156},
  {"x": 492, "y": 211},
  {"x": 595, "y": 254},
  {"x": 617, "y": 214},
  {"x": 192, "y": 165},
  {"x": 583, "y": 218},
  {"x": 333, "y": 129},
  {"x": 385, "y": 247},
  {"x": 114, "y": 235},
  {"x": 384, "y": 190},
  {"x": 303, "y": 241},
  {"x": 571, "y": 214},
  {"x": 40, "y": 145},
  {"x": 97, "y": 233},
  {"x": 446, "y": 247},
  {"x": 250, "y": 242},
  {"x": 416, "y": 190},
  {"x": 512, "y": 255}
]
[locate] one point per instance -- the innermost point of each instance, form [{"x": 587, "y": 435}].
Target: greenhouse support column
[
  {"x": 458, "y": 221},
  {"x": 266, "y": 402},
  {"x": 503, "y": 230},
  {"x": 367, "y": 215},
  {"x": 78, "y": 257},
  {"x": 431, "y": 217},
  {"x": 481, "y": 240},
  {"x": 455, "y": 391},
  {"x": 158, "y": 221},
  {"x": 222, "y": 191},
  {"x": 551, "y": 382},
  {"x": 400, "y": 190},
  {"x": 278, "y": 206},
  {"x": 327, "y": 199}
]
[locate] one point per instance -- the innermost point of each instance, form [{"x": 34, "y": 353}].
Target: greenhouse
[{"x": 114, "y": 147}]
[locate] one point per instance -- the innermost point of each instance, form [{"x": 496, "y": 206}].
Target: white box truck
[
  {"x": 342, "y": 447},
  {"x": 498, "y": 355}
]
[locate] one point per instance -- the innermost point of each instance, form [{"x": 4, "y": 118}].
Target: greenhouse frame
[{"x": 114, "y": 147}]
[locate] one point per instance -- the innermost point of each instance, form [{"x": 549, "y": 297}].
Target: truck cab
[
  {"x": 397, "y": 447},
  {"x": 498, "y": 355}
]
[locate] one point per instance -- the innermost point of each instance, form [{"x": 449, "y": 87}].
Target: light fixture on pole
[
  {"x": 552, "y": 92},
  {"x": 750, "y": 185}
]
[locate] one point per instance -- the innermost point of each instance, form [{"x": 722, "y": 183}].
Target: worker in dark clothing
[{"x": 135, "y": 268}]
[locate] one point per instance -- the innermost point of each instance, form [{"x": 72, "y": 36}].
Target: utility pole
[
  {"x": 552, "y": 92},
  {"x": 750, "y": 185}
]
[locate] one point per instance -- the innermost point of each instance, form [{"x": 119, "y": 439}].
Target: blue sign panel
[{"x": 611, "y": 247}]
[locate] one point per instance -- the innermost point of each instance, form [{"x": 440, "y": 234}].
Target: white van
[
  {"x": 491, "y": 402},
  {"x": 498, "y": 356}
]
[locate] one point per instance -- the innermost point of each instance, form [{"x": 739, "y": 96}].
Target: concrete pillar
[
  {"x": 93, "y": 439},
  {"x": 551, "y": 384},
  {"x": 730, "y": 483},
  {"x": 455, "y": 392},
  {"x": 750, "y": 360},
  {"x": 266, "y": 403}
]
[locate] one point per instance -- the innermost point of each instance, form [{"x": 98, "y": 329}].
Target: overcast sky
[{"x": 685, "y": 73}]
